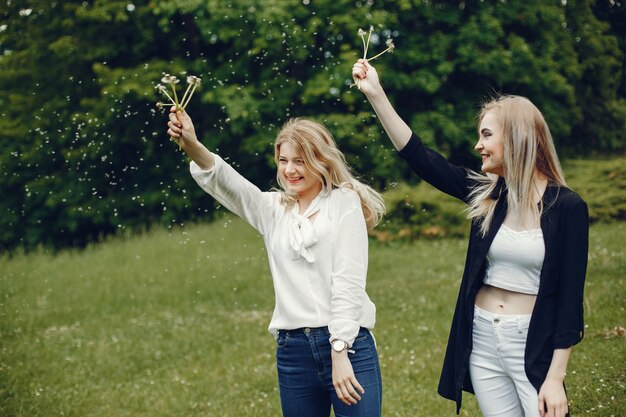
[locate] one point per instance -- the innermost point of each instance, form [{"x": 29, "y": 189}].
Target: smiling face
[
  {"x": 490, "y": 144},
  {"x": 296, "y": 177}
]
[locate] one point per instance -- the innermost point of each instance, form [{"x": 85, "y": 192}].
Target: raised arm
[
  {"x": 368, "y": 82},
  {"x": 219, "y": 179},
  {"x": 427, "y": 163}
]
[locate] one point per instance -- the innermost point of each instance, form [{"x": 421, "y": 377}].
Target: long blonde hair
[
  {"x": 528, "y": 148},
  {"x": 322, "y": 157}
]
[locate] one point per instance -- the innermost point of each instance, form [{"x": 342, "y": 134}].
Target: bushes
[
  {"x": 602, "y": 183},
  {"x": 84, "y": 152},
  {"x": 421, "y": 211}
]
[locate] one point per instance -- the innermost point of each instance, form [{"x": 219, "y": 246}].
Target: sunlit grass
[{"x": 173, "y": 323}]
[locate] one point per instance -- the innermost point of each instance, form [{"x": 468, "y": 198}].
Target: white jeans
[{"x": 496, "y": 365}]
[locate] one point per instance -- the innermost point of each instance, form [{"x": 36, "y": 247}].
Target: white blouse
[{"x": 318, "y": 267}]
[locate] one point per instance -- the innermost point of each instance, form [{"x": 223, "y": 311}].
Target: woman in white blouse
[{"x": 315, "y": 232}]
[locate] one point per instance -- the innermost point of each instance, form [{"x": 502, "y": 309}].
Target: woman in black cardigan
[{"x": 520, "y": 306}]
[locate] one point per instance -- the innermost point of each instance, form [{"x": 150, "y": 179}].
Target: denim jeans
[
  {"x": 303, "y": 358},
  {"x": 497, "y": 365}
]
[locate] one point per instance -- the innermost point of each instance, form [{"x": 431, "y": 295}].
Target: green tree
[{"x": 84, "y": 152}]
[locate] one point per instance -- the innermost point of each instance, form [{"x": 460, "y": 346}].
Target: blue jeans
[{"x": 305, "y": 374}]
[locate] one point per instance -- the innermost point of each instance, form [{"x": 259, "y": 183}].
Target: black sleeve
[
  {"x": 433, "y": 168},
  {"x": 569, "y": 321}
]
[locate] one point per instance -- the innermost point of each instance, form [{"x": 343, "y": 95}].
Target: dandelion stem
[
  {"x": 184, "y": 104},
  {"x": 175, "y": 96},
  {"x": 173, "y": 139},
  {"x": 369, "y": 35},
  {"x": 182, "y": 100},
  {"x": 168, "y": 96},
  {"x": 377, "y": 55},
  {"x": 364, "y": 47}
]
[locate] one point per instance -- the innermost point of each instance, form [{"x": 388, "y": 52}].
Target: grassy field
[{"x": 173, "y": 323}]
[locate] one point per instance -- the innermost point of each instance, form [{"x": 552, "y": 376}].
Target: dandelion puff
[
  {"x": 193, "y": 80},
  {"x": 192, "y": 83},
  {"x": 169, "y": 79},
  {"x": 362, "y": 33}
]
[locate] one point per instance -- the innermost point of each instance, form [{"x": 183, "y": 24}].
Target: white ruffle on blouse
[
  {"x": 318, "y": 267},
  {"x": 301, "y": 231}
]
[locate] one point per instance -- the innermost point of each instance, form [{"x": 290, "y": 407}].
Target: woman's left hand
[
  {"x": 344, "y": 381},
  {"x": 552, "y": 399}
]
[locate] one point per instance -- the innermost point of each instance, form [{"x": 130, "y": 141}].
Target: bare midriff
[{"x": 501, "y": 301}]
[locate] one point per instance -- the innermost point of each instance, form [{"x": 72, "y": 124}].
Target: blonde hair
[
  {"x": 528, "y": 148},
  {"x": 322, "y": 157}
]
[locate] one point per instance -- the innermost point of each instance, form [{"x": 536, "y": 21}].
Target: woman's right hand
[
  {"x": 366, "y": 77},
  {"x": 180, "y": 127}
]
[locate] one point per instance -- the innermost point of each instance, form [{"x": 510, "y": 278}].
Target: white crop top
[{"x": 515, "y": 259}]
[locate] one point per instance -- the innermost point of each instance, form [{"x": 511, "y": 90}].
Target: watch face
[{"x": 339, "y": 345}]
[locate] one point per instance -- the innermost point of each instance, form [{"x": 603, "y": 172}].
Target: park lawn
[{"x": 173, "y": 323}]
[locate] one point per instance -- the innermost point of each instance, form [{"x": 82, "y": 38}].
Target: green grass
[{"x": 173, "y": 323}]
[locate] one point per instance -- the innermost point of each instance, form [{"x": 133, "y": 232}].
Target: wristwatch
[{"x": 339, "y": 345}]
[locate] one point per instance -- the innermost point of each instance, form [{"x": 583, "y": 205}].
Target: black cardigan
[{"x": 557, "y": 318}]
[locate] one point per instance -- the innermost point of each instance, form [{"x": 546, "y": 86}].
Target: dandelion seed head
[
  {"x": 193, "y": 80},
  {"x": 169, "y": 79}
]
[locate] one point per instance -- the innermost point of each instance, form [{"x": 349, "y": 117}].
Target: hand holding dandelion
[
  {"x": 181, "y": 129},
  {"x": 192, "y": 83},
  {"x": 366, "y": 43},
  {"x": 366, "y": 77}
]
